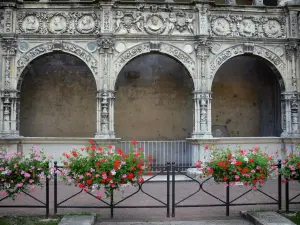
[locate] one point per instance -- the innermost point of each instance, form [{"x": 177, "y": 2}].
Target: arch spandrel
[
  {"x": 24, "y": 60},
  {"x": 218, "y": 60},
  {"x": 143, "y": 48}
]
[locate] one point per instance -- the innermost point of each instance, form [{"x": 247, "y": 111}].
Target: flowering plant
[
  {"x": 95, "y": 167},
  {"x": 248, "y": 166},
  {"x": 291, "y": 169},
  {"x": 20, "y": 173}
]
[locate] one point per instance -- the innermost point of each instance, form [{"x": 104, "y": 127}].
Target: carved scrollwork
[
  {"x": 44, "y": 48},
  {"x": 9, "y": 46}
]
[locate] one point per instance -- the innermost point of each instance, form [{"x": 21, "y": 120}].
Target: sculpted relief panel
[
  {"x": 154, "y": 22},
  {"x": 247, "y": 26},
  {"x": 58, "y": 23}
]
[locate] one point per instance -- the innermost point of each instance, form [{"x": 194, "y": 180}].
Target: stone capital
[
  {"x": 9, "y": 46},
  {"x": 203, "y": 47},
  {"x": 106, "y": 45}
]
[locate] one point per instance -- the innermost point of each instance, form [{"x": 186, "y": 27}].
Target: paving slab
[
  {"x": 267, "y": 218},
  {"x": 202, "y": 222},
  {"x": 78, "y": 220}
]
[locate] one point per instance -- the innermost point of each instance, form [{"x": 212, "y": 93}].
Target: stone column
[
  {"x": 202, "y": 96},
  {"x": 106, "y": 94},
  {"x": 9, "y": 96},
  {"x": 290, "y": 115}
]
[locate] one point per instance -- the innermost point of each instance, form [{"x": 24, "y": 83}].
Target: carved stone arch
[
  {"x": 277, "y": 64},
  {"x": 143, "y": 48},
  {"x": 39, "y": 50}
]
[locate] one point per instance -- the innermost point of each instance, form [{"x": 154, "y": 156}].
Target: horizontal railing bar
[
  {"x": 115, "y": 207},
  {"x": 189, "y": 206},
  {"x": 22, "y": 206},
  {"x": 294, "y": 202}
]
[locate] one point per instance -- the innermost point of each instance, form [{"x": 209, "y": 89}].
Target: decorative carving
[
  {"x": 120, "y": 47},
  {"x": 181, "y": 22},
  {"x": 203, "y": 48},
  {"x": 247, "y": 26},
  {"x": 290, "y": 49},
  {"x": 1, "y": 22},
  {"x": 293, "y": 24},
  {"x": 41, "y": 49},
  {"x": 86, "y": 24},
  {"x": 92, "y": 46},
  {"x": 8, "y": 17},
  {"x": 155, "y": 46},
  {"x": 106, "y": 16},
  {"x": 272, "y": 29},
  {"x": 58, "y": 22},
  {"x": 7, "y": 73},
  {"x": 9, "y": 46},
  {"x": 155, "y": 24},
  {"x": 228, "y": 53},
  {"x": 106, "y": 44},
  {"x": 128, "y": 21},
  {"x": 30, "y": 24},
  {"x": 23, "y": 46}
]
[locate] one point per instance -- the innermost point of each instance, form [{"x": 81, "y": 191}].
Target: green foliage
[{"x": 291, "y": 169}]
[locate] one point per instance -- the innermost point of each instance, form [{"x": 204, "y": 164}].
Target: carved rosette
[
  {"x": 58, "y": 22},
  {"x": 247, "y": 26}
]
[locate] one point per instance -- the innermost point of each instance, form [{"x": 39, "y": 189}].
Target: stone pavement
[{"x": 202, "y": 222}]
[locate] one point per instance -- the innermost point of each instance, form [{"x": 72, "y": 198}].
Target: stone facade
[{"x": 106, "y": 36}]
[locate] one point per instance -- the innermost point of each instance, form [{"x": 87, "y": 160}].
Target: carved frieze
[
  {"x": 58, "y": 23},
  {"x": 153, "y": 22},
  {"x": 247, "y": 26},
  {"x": 41, "y": 49}
]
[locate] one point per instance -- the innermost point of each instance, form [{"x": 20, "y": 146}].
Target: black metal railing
[
  {"x": 290, "y": 200},
  {"x": 43, "y": 204},
  {"x": 116, "y": 205},
  {"x": 223, "y": 203}
]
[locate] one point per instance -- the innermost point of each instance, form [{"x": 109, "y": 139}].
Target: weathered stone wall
[
  {"x": 58, "y": 98},
  {"x": 245, "y": 96},
  {"x": 155, "y": 101}
]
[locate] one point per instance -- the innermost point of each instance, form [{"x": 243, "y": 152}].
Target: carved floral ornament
[
  {"x": 247, "y": 26},
  {"x": 143, "y": 48},
  {"x": 233, "y": 51},
  {"x": 44, "y": 48},
  {"x": 153, "y": 23},
  {"x": 58, "y": 23}
]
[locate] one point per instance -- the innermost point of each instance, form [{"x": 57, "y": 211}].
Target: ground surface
[{"x": 159, "y": 191}]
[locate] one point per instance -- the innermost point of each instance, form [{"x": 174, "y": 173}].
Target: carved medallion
[
  {"x": 23, "y": 46},
  {"x": 92, "y": 46},
  {"x": 272, "y": 28},
  {"x": 181, "y": 22},
  {"x": 58, "y": 24},
  {"x": 247, "y": 27},
  {"x": 86, "y": 24},
  {"x": 155, "y": 24},
  {"x": 30, "y": 24},
  {"x": 221, "y": 26}
]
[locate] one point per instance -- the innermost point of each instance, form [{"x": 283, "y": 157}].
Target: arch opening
[
  {"x": 246, "y": 98},
  {"x": 57, "y": 97},
  {"x": 154, "y": 99}
]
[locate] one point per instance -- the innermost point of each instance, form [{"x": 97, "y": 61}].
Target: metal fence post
[
  {"x": 47, "y": 196},
  {"x": 287, "y": 197},
  {"x": 112, "y": 203},
  {"x": 168, "y": 188},
  {"x": 173, "y": 189},
  {"x": 227, "y": 198},
  {"x": 55, "y": 187},
  {"x": 279, "y": 186}
]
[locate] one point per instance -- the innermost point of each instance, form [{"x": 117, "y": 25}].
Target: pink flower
[
  {"x": 237, "y": 177},
  {"x": 253, "y": 188},
  {"x": 80, "y": 176},
  {"x": 252, "y": 171},
  {"x": 97, "y": 175},
  {"x": 233, "y": 161},
  {"x": 19, "y": 185},
  {"x": 92, "y": 170},
  {"x": 31, "y": 181},
  {"x": 48, "y": 176},
  {"x": 88, "y": 174},
  {"x": 124, "y": 176},
  {"x": 258, "y": 167},
  {"x": 27, "y": 175},
  {"x": 35, "y": 148},
  {"x": 256, "y": 148}
]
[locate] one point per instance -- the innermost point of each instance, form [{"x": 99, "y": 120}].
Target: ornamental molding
[
  {"x": 58, "y": 23},
  {"x": 218, "y": 60},
  {"x": 143, "y": 48},
  {"x": 48, "y": 47},
  {"x": 247, "y": 26}
]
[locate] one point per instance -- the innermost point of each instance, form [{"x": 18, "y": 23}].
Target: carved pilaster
[
  {"x": 203, "y": 19},
  {"x": 293, "y": 24},
  {"x": 291, "y": 52},
  {"x": 202, "y": 115},
  {"x": 106, "y": 19},
  {"x": 9, "y": 100},
  {"x": 290, "y": 114},
  {"x": 105, "y": 97},
  {"x": 8, "y": 21}
]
